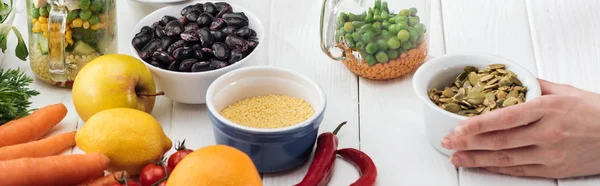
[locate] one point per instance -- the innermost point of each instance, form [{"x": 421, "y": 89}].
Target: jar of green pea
[{"x": 376, "y": 39}]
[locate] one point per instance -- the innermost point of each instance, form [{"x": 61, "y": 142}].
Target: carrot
[
  {"x": 33, "y": 126},
  {"x": 107, "y": 180},
  {"x": 50, "y": 146},
  {"x": 54, "y": 170}
]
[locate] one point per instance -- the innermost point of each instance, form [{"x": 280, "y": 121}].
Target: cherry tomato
[
  {"x": 176, "y": 157},
  {"x": 129, "y": 182},
  {"x": 153, "y": 173}
]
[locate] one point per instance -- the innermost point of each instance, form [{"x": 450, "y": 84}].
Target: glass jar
[
  {"x": 64, "y": 35},
  {"x": 376, "y": 39}
]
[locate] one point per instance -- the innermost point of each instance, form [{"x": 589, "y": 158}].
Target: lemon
[{"x": 129, "y": 137}]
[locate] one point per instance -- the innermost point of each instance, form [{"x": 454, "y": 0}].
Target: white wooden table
[{"x": 556, "y": 39}]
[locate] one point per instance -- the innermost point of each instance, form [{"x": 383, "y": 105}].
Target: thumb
[{"x": 555, "y": 88}]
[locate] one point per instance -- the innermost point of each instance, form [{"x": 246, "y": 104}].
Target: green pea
[
  {"x": 360, "y": 45},
  {"x": 368, "y": 36},
  {"x": 94, "y": 20},
  {"x": 406, "y": 45},
  {"x": 413, "y": 35},
  {"x": 97, "y": 5},
  {"x": 392, "y": 20},
  {"x": 338, "y": 36},
  {"x": 413, "y": 11},
  {"x": 384, "y": 7},
  {"x": 382, "y": 44},
  {"x": 401, "y": 19},
  {"x": 413, "y": 20},
  {"x": 348, "y": 37},
  {"x": 356, "y": 36},
  {"x": 413, "y": 43},
  {"x": 376, "y": 17},
  {"x": 370, "y": 59},
  {"x": 420, "y": 28},
  {"x": 393, "y": 43},
  {"x": 385, "y": 24},
  {"x": 404, "y": 12},
  {"x": 385, "y": 16},
  {"x": 43, "y": 11},
  {"x": 385, "y": 34},
  {"x": 85, "y": 14},
  {"x": 84, "y": 4},
  {"x": 376, "y": 12},
  {"x": 341, "y": 31},
  {"x": 72, "y": 15},
  {"x": 343, "y": 17},
  {"x": 357, "y": 24},
  {"x": 403, "y": 35},
  {"x": 371, "y": 48},
  {"x": 377, "y": 27},
  {"x": 392, "y": 54},
  {"x": 377, "y": 4},
  {"x": 364, "y": 28},
  {"x": 393, "y": 29},
  {"x": 35, "y": 12},
  {"x": 381, "y": 57},
  {"x": 348, "y": 27},
  {"x": 402, "y": 26},
  {"x": 369, "y": 18},
  {"x": 354, "y": 17}
]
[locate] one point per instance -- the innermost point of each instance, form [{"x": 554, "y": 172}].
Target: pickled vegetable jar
[
  {"x": 64, "y": 35},
  {"x": 376, "y": 39}
]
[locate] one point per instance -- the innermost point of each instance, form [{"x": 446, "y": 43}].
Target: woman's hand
[{"x": 555, "y": 136}]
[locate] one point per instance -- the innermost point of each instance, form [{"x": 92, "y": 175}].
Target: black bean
[
  {"x": 211, "y": 8},
  {"x": 217, "y": 64},
  {"x": 206, "y": 38},
  {"x": 219, "y": 36},
  {"x": 198, "y": 51},
  {"x": 183, "y": 53},
  {"x": 155, "y": 24},
  {"x": 200, "y": 6},
  {"x": 192, "y": 16},
  {"x": 223, "y": 8},
  {"x": 190, "y": 36},
  {"x": 166, "y": 19},
  {"x": 207, "y": 53},
  {"x": 173, "y": 28},
  {"x": 189, "y": 8},
  {"x": 183, "y": 20},
  {"x": 191, "y": 26},
  {"x": 236, "y": 43},
  {"x": 205, "y": 19},
  {"x": 139, "y": 42},
  {"x": 235, "y": 56},
  {"x": 163, "y": 57},
  {"x": 228, "y": 30},
  {"x": 220, "y": 51},
  {"x": 174, "y": 66},
  {"x": 165, "y": 42},
  {"x": 251, "y": 46},
  {"x": 201, "y": 66},
  {"x": 236, "y": 22},
  {"x": 186, "y": 64},
  {"x": 217, "y": 24},
  {"x": 175, "y": 45},
  {"x": 245, "y": 33},
  {"x": 157, "y": 64},
  {"x": 159, "y": 31},
  {"x": 146, "y": 52},
  {"x": 240, "y": 15},
  {"x": 145, "y": 31}
]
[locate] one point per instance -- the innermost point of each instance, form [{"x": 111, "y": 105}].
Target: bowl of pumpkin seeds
[{"x": 455, "y": 87}]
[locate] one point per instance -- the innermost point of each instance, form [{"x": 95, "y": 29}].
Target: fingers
[
  {"x": 496, "y": 140},
  {"x": 555, "y": 88},
  {"x": 502, "y": 158},
  {"x": 521, "y": 170},
  {"x": 500, "y": 119}
]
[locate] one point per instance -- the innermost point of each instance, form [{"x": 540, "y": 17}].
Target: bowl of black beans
[{"x": 188, "y": 46}]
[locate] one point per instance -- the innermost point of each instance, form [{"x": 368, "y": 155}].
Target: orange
[{"x": 216, "y": 165}]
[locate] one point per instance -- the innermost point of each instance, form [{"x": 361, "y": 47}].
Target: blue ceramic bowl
[{"x": 271, "y": 150}]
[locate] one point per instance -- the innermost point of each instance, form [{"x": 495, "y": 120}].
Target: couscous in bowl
[{"x": 272, "y": 149}]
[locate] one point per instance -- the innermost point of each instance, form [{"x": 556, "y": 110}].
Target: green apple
[{"x": 113, "y": 81}]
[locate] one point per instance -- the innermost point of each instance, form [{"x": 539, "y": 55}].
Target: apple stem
[{"x": 157, "y": 94}]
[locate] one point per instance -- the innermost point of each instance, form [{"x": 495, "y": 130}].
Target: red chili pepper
[
  {"x": 320, "y": 170},
  {"x": 368, "y": 171}
]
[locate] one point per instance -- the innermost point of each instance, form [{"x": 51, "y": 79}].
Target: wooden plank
[
  {"x": 294, "y": 44},
  {"x": 391, "y": 123},
  {"x": 494, "y": 27},
  {"x": 567, "y": 49}
]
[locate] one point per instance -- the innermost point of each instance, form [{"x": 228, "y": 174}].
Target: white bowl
[
  {"x": 190, "y": 87},
  {"x": 440, "y": 72}
]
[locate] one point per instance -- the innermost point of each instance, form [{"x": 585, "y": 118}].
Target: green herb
[
  {"x": 5, "y": 9},
  {"x": 21, "y": 50},
  {"x": 14, "y": 94}
]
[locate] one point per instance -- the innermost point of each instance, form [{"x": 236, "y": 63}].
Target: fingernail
[
  {"x": 460, "y": 130},
  {"x": 455, "y": 159},
  {"x": 446, "y": 143}
]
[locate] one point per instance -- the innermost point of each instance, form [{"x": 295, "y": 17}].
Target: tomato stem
[{"x": 339, "y": 127}]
